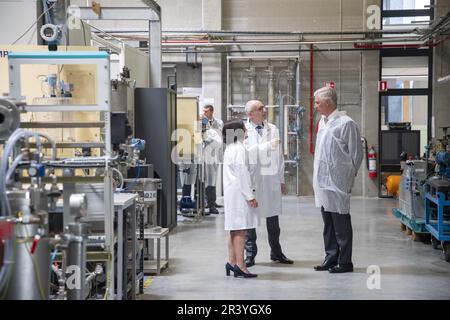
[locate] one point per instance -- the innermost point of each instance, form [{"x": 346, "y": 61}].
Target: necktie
[{"x": 259, "y": 129}]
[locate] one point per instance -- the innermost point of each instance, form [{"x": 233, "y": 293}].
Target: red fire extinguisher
[{"x": 372, "y": 155}]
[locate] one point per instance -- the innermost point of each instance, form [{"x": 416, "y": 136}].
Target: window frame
[{"x": 404, "y": 52}]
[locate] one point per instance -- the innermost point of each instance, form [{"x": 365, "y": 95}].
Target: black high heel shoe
[
  {"x": 228, "y": 268},
  {"x": 239, "y": 273}
]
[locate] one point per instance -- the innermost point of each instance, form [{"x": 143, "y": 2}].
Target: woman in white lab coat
[{"x": 239, "y": 198}]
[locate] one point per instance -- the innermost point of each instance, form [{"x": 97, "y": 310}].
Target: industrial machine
[
  {"x": 424, "y": 194},
  {"x": 411, "y": 191},
  {"x": 72, "y": 226},
  {"x": 437, "y": 203}
]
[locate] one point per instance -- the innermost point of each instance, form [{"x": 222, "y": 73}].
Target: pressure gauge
[
  {"x": 32, "y": 172},
  {"x": 49, "y": 32}
]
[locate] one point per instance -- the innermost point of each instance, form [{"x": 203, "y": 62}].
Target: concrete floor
[{"x": 409, "y": 270}]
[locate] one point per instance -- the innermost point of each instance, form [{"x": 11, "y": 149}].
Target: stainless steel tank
[{"x": 30, "y": 274}]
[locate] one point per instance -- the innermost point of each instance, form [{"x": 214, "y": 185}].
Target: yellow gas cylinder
[{"x": 392, "y": 183}]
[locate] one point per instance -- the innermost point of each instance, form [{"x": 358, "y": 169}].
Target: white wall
[{"x": 16, "y": 16}]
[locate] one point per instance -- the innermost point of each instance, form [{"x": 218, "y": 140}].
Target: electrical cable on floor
[{"x": 148, "y": 282}]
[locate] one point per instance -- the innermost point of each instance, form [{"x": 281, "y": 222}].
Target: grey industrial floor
[{"x": 409, "y": 269}]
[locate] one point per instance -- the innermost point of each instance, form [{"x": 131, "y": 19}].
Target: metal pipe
[
  {"x": 299, "y": 124},
  {"x": 281, "y": 119},
  {"x": 155, "y": 55},
  {"x": 290, "y": 76},
  {"x": 252, "y": 80},
  {"x": 287, "y": 43},
  {"x": 263, "y": 33},
  {"x": 311, "y": 99},
  {"x": 270, "y": 91},
  {"x": 298, "y": 84},
  {"x": 76, "y": 260},
  {"x": 269, "y": 50}
]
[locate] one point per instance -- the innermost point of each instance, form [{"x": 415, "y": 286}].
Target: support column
[
  {"x": 212, "y": 69},
  {"x": 369, "y": 115}
]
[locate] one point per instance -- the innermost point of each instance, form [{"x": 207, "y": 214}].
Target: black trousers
[
  {"x": 273, "y": 231},
  {"x": 337, "y": 237},
  {"x": 210, "y": 193},
  {"x": 186, "y": 191}
]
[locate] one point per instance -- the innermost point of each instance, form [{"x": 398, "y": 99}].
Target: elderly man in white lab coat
[
  {"x": 267, "y": 173},
  {"x": 337, "y": 158},
  {"x": 214, "y": 128}
]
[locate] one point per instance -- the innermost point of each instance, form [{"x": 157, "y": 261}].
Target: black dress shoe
[
  {"x": 228, "y": 268},
  {"x": 213, "y": 210},
  {"x": 341, "y": 269},
  {"x": 239, "y": 273},
  {"x": 325, "y": 266},
  {"x": 282, "y": 259},
  {"x": 249, "y": 262}
]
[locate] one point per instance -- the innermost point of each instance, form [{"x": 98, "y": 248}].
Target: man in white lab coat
[
  {"x": 267, "y": 173},
  {"x": 337, "y": 158},
  {"x": 212, "y": 149}
]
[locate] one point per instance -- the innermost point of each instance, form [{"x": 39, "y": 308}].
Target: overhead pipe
[
  {"x": 263, "y": 33},
  {"x": 356, "y": 47},
  {"x": 215, "y": 43},
  {"x": 390, "y": 46},
  {"x": 264, "y": 51}
]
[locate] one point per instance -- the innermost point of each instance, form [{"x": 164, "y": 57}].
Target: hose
[
  {"x": 120, "y": 176},
  {"x": 13, "y": 167},
  {"x": 9, "y": 147}
]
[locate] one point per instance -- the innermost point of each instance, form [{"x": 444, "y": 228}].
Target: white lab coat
[
  {"x": 212, "y": 147},
  {"x": 237, "y": 190},
  {"x": 337, "y": 158},
  {"x": 266, "y": 168},
  {"x": 188, "y": 173}
]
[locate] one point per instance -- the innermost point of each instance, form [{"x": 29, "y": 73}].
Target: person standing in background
[{"x": 212, "y": 163}]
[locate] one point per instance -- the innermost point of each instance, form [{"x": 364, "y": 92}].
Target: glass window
[
  {"x": 397, "y": 23},
  {"x": 411, "y": 109},
  {"x": 405, "y": 4},
  {"x": 405, "y": 72}
]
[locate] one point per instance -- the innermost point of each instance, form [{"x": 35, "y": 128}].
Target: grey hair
[
  {"x": 250, "y": 104},
  {"x": 327, "y": 93}
]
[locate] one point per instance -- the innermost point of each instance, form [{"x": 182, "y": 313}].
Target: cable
[
  {"x": 120, "y": 176},
  {"x": 37, "y": 20},
  {"x": 84, "y": 32},
  {"x": 13, "y": 167}
]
